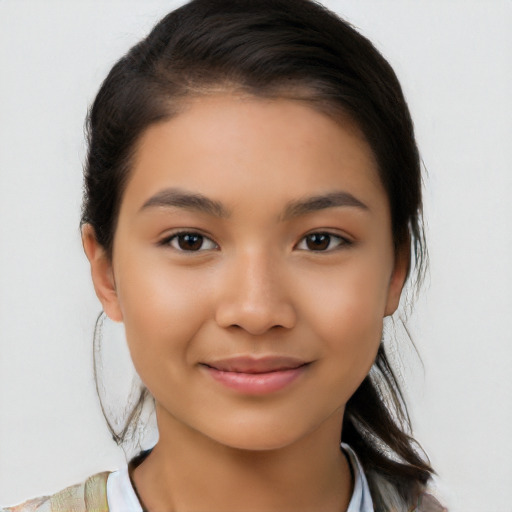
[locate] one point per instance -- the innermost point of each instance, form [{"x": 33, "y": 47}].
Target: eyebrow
[
  {"x": 178, "y": 198},
  {"x": 321, "y": 202}
]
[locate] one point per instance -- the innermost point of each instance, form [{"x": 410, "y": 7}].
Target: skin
[{"x": 257, "y": 287}]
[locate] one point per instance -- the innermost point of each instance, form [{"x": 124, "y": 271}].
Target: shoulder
[{"x": 88, "y": 496}]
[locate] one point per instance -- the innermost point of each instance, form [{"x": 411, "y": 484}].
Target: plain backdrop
[{"x": 454, "y": 61}]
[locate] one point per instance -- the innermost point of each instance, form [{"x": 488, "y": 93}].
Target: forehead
[{"x": 235, "y": 148}]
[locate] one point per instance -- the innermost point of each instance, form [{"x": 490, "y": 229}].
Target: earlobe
[
  {"x": 101, "y": 273},
  {"x": 398, "y": 278}
]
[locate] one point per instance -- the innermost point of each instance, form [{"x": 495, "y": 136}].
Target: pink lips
[{"x": 256, "y": 376}]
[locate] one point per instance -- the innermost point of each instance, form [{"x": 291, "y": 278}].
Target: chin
[
  {"x": 259, "y": 436},
  {"x": 257, "y": 443}
]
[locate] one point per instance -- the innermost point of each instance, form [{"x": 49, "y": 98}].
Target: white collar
[
  {"x": 361, "y": 500},
  {"x": 121, "y": 496}
]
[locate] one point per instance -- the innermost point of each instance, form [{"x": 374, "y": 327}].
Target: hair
[{"x": 294, "y": 49}]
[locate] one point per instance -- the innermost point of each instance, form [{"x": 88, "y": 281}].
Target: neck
[{"x": 188, "y": 471}]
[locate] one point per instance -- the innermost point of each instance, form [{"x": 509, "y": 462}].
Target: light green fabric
[{"x": 89, "y": 496}]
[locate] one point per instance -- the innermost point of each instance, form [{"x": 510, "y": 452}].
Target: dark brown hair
[{"x": 274, "y": 48}]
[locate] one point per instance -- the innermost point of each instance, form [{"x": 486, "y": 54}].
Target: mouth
[{"x": 256, "y": 376}]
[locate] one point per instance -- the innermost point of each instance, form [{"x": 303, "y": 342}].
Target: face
[{"x": 252, "y": 266}]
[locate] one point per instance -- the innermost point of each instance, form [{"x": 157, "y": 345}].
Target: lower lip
[{"x": 257, "y": 383}]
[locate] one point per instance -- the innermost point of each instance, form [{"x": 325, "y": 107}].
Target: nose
[{"x": 254, "y": 296}]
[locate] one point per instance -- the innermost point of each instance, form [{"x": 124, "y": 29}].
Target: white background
[{"x": 454, "y": 61}]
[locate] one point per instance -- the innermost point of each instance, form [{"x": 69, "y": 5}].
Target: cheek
[
  {"x": 346, "y": 312},
  {"x": 353, "y": 334},
  {"x": 352, "y": 343},
  {"x": 350, "y": 298},
  {"x": 162, "y": 310}
]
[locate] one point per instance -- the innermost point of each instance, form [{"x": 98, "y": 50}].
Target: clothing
[
  {"x": 120, "y": 492},
  {"x": 89, "y": 496},
  {"x": 113, "y": 492}
]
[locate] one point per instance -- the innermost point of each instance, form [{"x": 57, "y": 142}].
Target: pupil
[
  {"x": 190, "y": 242},
  {"x": 318, "y": 241}
]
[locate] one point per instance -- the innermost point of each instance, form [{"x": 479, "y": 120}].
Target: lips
[
  {"x": 253, "y": 365},
  {"x": 256, "y": 376}
]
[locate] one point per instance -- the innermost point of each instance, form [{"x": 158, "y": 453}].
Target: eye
[
  {"x": 322, "y": 242},
  {"x": 190, "y": 242}
]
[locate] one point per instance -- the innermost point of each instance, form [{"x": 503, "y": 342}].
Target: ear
[
  {"x": 102, "y": 274},
  {"x": 398, "y": 277}
]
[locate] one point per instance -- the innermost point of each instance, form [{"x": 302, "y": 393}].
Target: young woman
[{"x": 252, "y": 212}]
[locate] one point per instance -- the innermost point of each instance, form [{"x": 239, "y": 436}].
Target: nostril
[{"x": 255, "y": 311}]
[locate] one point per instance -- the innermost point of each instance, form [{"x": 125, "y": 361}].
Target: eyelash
[
  {"x": 342, "y": 241},
  {"x": 175, "y": 237},
  {"x": 168, "y": 241}
]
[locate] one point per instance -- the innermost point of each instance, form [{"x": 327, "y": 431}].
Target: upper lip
[{"x": 247, "y": 364}]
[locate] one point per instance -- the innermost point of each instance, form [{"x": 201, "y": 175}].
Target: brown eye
[
  {"x": 191, "y": 242},
  {"x": 321, "y": 242},
  {"x": 318, "y": 241}
]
